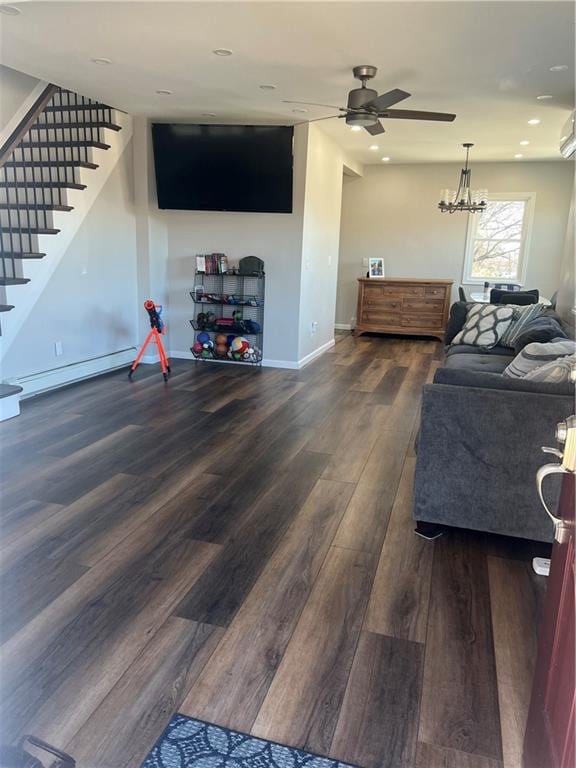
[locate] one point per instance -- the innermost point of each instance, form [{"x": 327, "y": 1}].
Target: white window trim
[{"x": 529, "y": 198}]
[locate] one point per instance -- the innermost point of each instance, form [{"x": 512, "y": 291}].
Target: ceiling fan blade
[
  {"x": 375, "y": 129},
  {"x": 414, "y": 114},
  {"x": 387, "y": 99},
  {"x": 317, "y": 119},
  {"x": 313, "y": 104}
]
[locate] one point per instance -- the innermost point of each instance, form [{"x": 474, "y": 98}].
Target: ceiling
[{"x": 485, "y": 61}]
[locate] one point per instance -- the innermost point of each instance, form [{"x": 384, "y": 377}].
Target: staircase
[{"x": 42, "y": 166}]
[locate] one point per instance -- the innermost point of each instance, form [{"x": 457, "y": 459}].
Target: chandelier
[{"x": 464, "y": 199}]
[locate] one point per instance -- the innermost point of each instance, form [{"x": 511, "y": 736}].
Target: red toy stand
[{"x": 157, "y": 328}]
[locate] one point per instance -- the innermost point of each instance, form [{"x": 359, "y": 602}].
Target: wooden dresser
[{"x": 403, "y": 305}]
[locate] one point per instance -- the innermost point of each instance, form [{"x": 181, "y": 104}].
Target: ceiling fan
[{"x": 365, "y": 107}]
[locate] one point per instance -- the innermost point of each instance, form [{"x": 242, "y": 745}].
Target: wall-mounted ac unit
[{"x": 568, "y": 137}]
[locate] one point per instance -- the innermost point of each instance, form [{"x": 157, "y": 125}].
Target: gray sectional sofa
[{"x": 479, "y": 444}]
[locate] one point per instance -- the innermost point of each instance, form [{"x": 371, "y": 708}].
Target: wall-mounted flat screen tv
[{"x": 223, "y": 167}]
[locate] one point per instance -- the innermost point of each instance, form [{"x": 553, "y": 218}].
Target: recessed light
[
  {"x": 101, "y": 60},
  {"x": 10, "y": 10},
  {"x": 385, "y": 159},
  {"x": 544, "y": 97},
  {"x": 534, "y": 121},
  {"x": 267, "y": 87},
  {"x": 355, "y": 127},
  {"x": 222, "y": 52},
  {"x": 299, "y": 110},
  {"x": 524, "y": 143},
  {"x": 164, "y": 92},
  {"x": 559, "y": 68},
  {"x": 518, "y": 157},
  {"x": 374, "y": 147},
  {"x": 208, "y": 114}
]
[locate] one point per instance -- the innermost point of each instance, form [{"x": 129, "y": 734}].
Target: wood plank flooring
[{"x": 237, "y": 546}]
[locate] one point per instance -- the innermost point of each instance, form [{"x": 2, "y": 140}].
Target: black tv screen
[{"x": 223, "y": 167}]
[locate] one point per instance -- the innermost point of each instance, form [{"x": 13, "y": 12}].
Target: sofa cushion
[
  {"x": 522, "y": 316},
  {"x": 535, "y": 355},
  {"x": 556, "y": 371},
  {"x": 542, "y": 329},
  {"x": 468, "y": 349},
  {"x": 485, "y": 324},
  {"x": 486, "y": 363},
  {"x": 486, "y": 380}
]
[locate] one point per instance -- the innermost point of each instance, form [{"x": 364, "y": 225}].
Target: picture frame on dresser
[
  {"x": 376, "y": 267},
  {"x": 403, "y": 306}
]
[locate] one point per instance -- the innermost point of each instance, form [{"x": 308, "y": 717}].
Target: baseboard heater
[{"x": 36, "y": 383}]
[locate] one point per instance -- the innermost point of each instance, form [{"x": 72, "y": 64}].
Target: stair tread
[
  {"x": 21, "y": 255},
  {"x": 6, "y": 307},
  {"x": 6, "y": 390},
  {"x": 35, "y": 207},
  {"x": 30, "y": 230},
  {"x": 50, "y": 164},
  {"x": 14, "y": 280},
  {"x": 84, "y": 124},
  {"x": 63, "y": 144},
  {"x": 41, "y": 185},
  {"x": 75, "y": 108}
]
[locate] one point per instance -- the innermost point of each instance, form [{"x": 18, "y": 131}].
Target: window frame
[{"x": 529, "y": 198}]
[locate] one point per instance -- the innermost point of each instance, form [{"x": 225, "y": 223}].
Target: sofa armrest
[
  {"x": 478, "y": 453},
  {"x": 460, "y": 377}
]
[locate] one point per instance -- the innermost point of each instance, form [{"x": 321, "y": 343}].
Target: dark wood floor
[{"x": 237, "y": 546}]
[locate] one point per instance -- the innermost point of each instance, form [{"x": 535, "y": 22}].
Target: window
[{"x": 497, "y": 240}]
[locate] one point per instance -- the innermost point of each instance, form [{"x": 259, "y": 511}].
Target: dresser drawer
[
  {"x": 380, "y": 317},
  {"x": 424, "y": 305},
  {"x": 422, "y": 321},
  {"x": 403, "y": 290},
  {"x": 437, "y": 291},
  {"x": 386, "y": 303}
]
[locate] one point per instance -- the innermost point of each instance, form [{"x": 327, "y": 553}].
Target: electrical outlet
[
  {"x": 57, "y": 348},
  {"x": 364, "y": 262},
  {"x": 313, "y": 327}
]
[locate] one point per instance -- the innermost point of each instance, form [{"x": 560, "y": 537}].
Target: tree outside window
[{"x": 497, "y": 241}]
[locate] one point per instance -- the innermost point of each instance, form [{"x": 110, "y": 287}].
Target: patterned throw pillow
[
  {"x": 485, "y": 324},
  {"x": 558, "y": 371},
  {"x": 536, "y": 355},
  {"x": 522, "y": 316}
]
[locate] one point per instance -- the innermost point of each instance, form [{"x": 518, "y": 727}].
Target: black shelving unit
[{"x": 236, "y": 299}]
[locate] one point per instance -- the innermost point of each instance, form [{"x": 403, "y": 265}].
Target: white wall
[
  {"x": 320, "y": 242},
  {"x": 392, "y": 212},
  {"x": 173, "y": 238},
  {"x": 566, "y": 294},
  {"x": 90, "y": 301},
  {"x": 15, "y": 87}
]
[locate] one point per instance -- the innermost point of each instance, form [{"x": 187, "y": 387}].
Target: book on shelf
[{"x": 212, "y": 264}]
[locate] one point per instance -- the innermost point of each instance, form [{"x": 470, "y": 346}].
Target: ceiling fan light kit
[{"x": 464, "y": 198}]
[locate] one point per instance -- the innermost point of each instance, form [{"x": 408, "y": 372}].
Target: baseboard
[
  {"x": 317, "y": 352},
  {"x": 36, "y": 383},
  {"x": 342, "y": 327},
  {"x": 189, "y": 356},
  {"x": 290, "y": 364},
  {"x": 267, "y": 362}
]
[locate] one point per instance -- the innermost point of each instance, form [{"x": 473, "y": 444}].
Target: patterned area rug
[{"x": 188, "y": 743}]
